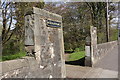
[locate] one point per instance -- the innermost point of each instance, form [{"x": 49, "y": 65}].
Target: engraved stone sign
[
  {"x": 87, "y": 50},
  {"x": 51, "y": 23},
  {"x": 29, "y": 31}
]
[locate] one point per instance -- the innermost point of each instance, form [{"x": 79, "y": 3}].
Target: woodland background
[{"x": 77, "y": 19}]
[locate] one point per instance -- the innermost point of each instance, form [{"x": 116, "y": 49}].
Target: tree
[
  {"x": 13, "y": 25},
  {"x": 77, "y": 18},
  {"x": 113, "y": 20},
  {"x": 75, "y": 22},
  {"x": 99, "y": 15},
  {"x": 7, "y": 21}
]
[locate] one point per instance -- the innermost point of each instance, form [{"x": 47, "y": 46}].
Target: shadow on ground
[
  {"x": 80, "y": 62},
  {"x": 68, "y": 52}
]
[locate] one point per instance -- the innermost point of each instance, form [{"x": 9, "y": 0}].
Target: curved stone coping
[
  {"x": 103, "y": 49},
  {"x": 112, "y": 42},
  {"x": 43, "y": 14}
]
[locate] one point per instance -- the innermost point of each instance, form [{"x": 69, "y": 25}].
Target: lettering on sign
[{"x": 50, "y": 23}]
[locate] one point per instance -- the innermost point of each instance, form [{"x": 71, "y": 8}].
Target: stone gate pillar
[
  {"x": 94, "y": 50},
  {"x": 91, "y": 49},
  {"x": 44, "y": 40}
]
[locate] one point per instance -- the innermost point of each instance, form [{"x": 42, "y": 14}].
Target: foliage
[
  {"x": 75, "y": 22},
  {"x": 12, "y": 56},
  {"x": 82, "y": 48},
  {"x": 77, "y": 18},
  {"x": 113, "y": 34},
  {"x": 77, "y": 50},
  {"x": 13, "y": 26},
  {"x": 12, "y": 48}
]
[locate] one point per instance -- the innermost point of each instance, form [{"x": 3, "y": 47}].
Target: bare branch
[
  {"x": 7, "y": 38},
  {"x": 88, "y": 5},
  {"x": 9, "y": 23}
]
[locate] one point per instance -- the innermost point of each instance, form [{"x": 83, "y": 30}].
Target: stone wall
[
  {"x": 26, "y": 67},
  {"x": 94, "y": 51},
  {"x": 104, "y": 48},
  {"x": 20, "y": 68}
]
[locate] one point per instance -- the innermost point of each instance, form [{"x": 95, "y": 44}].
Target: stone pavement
[
  {"x": 109, "y": 61},
  {"x": 88, "y": 72}
]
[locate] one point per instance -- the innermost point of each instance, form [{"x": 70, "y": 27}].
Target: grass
[
  {"x": 69, "y": 50},
  {"x": 76, "y": 55},
  {"x": 12, "y": 56}
]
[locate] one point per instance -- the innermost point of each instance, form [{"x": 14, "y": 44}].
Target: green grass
[
  {"x": 12, "y": 56},
  {"x": 69, "y": 50},
  {"x": 76, "y": 55}
]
